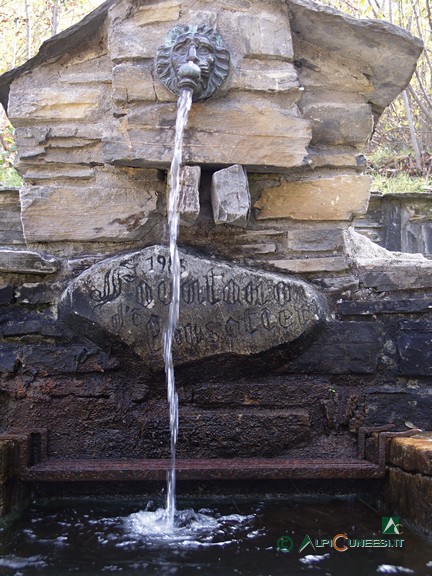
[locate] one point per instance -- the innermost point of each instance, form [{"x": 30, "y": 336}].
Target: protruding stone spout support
[
  {"x": 230, "y": 196},
  {"x": 188, "y": 202}
]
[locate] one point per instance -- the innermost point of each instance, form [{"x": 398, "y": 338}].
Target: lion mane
[{"x": 164, "y": 68}]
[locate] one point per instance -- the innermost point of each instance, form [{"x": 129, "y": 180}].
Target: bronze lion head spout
[{"x": 193, "y": 57}]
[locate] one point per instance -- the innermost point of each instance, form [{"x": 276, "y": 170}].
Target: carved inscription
[{"x": 223, "y": 308}]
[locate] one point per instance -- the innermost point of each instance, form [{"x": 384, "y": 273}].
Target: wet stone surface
[{"x": 223, "y": 308}]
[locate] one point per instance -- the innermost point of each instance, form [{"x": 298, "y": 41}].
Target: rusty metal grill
[{"x": 199, "y": 469}]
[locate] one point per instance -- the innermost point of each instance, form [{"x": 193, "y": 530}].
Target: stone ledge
[
  {"x": 393, "y": 306},
  {"x": 305, "y": 265},
  {"x": 199, "y": 469},
  {"x": 413, "y": 454},
  {"x": 388, "y": 275},
  {"x": 27, "y": 262}
]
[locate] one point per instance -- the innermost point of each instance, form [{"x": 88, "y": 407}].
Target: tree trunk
[
  {"x": 413, "y": 134},
  {"x": 55, "y": 17},
  {"x": 14, "y": 45},
  {"x": 28, "y": 29}
]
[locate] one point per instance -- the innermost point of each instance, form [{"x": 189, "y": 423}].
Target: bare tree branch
[
  {"x": 28, "y": 29},
  {"x": 426, "y": 112},
  {"x": 412, "y": 130}
]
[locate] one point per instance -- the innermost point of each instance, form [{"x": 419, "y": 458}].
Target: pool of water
[{"x": 225, "y": 536}]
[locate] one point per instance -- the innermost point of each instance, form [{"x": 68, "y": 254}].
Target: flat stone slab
[
  {"x": 223, "y": 308},
  {"x": 27, "y": 262},
  {"x": 413, "y": 454}
]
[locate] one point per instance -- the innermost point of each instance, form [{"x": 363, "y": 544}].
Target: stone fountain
[{"x": 300, "y": 343}]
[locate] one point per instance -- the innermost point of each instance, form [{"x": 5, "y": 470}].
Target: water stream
[{"x": 183, "y": 106}]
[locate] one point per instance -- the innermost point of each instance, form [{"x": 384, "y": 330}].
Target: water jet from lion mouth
[{"x": 197, "y": 65}]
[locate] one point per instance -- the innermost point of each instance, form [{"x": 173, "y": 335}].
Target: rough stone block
[
  {"x": 13, "y": 237},
  {"x": 188, "y": 202},
  {"x": 307, "y": 239},
  {"x": 34, "y": 174},
  {"x": 132, "y": 82},
  {"x": 328, "y": 158},
  {"x": 415, "y": 352},
  {"x": 241, "y": 130},
  {"x": 397, "y": 405},
  {"x": 68, "y": 148},
  {"x": 116, "y": 207},
  {"x": 10, "y": 221},
  {"x": 203, "y": 14},
  {"x": 345, "y": 283},
  {"x": 343, "y": 348},
  {"x": 131, "y": 42},
  {"x": 6, "y": 294},
  {"x": 244, "y": 433},
  {"x": 84, "y": 71},
  {"x": 390, "y": 306},
  {"x": 230, "y": 196},
  {"x": 321, "y": 69},
  {"x": 31, "y": 136},
  {"x": 54, "y": 103},
  {"x": 159, "y": 12},
  {"x": 338, "y": 124},
  {"x": 27, "y": 262},
  {"x": 334, "y": 198},
  {"x": 14, "y": 495},
  {"x": 380, "y": 45},
  {"x": 74, "y": 155},
  {"x": 259, "y": 248},
  {"x": 29, "y": 327},
  {"x": 9, "y": 197},
  {"x": 50, "y": 359},
  {"x": 283, "y": 392},
  {"x": 409, "y": 495},
  {"x": 396, "y": 272},
  {"x": 8, "y": 357},
  {"x": 304, "y": 265},
  {"x": 413, "y": 454},
  {"x": 267, "y": 76},
  {"x": 266, "y": 35},
  {"x": 224, "y": 309}
]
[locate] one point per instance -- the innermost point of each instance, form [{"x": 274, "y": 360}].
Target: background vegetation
[
  {"x": 24, "y": 25},
  {"x": 400, "y": 152}
]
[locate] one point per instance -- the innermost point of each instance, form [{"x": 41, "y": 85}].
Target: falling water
[{"x": 183, "y": 106}]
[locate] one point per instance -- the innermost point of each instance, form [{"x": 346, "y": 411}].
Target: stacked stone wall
[
  {"x": 95, "y": 131},
  {"x": 370, "y": 364}
]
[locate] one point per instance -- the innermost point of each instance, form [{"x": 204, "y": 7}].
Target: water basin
[{"x": 220, "y": 536}]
